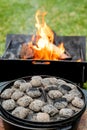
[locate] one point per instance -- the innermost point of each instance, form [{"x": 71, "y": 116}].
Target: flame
[
  {"x": 44, "y": 48},
  {"x": 41, "y": 46},
  {"x": 42, "y": 29},
  {"x": 79, "y": 60},
  {"x": 48, "y": 51}
]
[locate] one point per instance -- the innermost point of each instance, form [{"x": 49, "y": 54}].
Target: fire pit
[
  {"x": 60, "y": 101},
  {"x": 44, "y": 53}
]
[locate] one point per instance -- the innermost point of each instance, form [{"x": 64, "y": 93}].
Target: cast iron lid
[{"x": 29, "y": 123}]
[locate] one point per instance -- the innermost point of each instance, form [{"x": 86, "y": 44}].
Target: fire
[
  {"x": 79, "y": 60},
  {"x": 43, "y": 43},
  {"x": 48, "y": 51},
  {"x": 43, "y": 29}
]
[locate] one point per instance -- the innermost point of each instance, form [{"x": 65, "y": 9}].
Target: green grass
[
  {"x": 65, "y": 17},
  {"x": 85, "y": 86}
]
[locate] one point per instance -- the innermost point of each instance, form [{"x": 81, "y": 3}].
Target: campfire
[{"x": 41, "y": 46}]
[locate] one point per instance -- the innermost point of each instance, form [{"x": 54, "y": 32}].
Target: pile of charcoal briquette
[{"x": 42, "y": 99}]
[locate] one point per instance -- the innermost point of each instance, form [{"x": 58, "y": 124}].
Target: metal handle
[
  {"x": 3, "y": 84},
  {"x": 41, "y": 62}
]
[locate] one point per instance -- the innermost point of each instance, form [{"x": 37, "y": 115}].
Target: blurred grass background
[{"x": 65, "y": 17}]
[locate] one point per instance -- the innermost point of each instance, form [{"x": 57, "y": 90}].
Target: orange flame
[
  {"x": 79, "y": 60},
  {"x": 44, "y": 48},
  {"x": 42, "y": 29},
  {"x": 41, "y": 46}
]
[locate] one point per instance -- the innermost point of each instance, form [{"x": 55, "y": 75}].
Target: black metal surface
[
  {"x": 9, "y": 125},
  {"x": 73, "y": 71}
]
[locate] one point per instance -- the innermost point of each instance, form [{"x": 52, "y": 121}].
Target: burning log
[
  {"x": 46, "y": 52},
  {"x": 50, "y": 51},
  {"x": 26, "y": 52}
]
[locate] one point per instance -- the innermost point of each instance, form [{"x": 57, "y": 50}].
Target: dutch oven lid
[{"x": 35, "y": 124}]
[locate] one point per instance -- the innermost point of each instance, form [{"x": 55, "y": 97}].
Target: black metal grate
[{"x": 74, "y": 45}]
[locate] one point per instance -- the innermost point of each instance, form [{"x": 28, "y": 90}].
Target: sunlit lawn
[{"x": 65, "y": 17}]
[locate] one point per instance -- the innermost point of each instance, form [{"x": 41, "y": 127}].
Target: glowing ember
[
  {"x": 79, "y": 60},
  {"x": 43, "y": 47}
]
